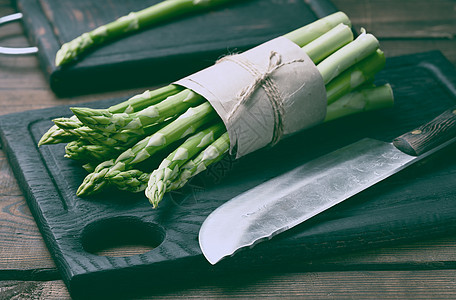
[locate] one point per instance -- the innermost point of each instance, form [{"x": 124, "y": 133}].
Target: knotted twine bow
[
  {"x": 271, "y": 91},
  {"x": 264, "y": 80}
]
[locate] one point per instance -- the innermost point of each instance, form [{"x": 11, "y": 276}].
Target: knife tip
[{"x": 211, "y": 253}]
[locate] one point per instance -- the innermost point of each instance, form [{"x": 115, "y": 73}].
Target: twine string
[{"x": 264, "y": 80}]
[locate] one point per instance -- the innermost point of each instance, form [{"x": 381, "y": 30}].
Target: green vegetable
[
  {"x": 119, "y": 139},
  {"x": 363, "y": 100},
  {"x": 328, "y": 43},
  {"x": 184, "y": 125},
  {"x": 304, "y": 35},
  {"x": 178, "y": 127},
  {"x": 131, "y": 180},
  {"x": 95, "y": 182},
  {"x": 81, "y": 151},
  {"x": 56, "y": 135},
  {"x": 108, "y": 122},
  {"x": 355, "y": 76},
  {"x": 130, "y": 23},
  {"x": 363, "y": 46},
  {"x": 168, "y": 170},
  {"x": 366, "y": 99},
  {"x": 212, "y": 154}
]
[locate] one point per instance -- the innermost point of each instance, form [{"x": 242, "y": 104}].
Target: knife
[{"x": 297, "y": 195}]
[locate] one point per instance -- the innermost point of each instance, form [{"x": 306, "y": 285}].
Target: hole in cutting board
[{"x": 121, "y": 237}]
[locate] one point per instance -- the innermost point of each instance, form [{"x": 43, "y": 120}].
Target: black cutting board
[
  {"x": 158, "y": 54},
  {"x": 416, "y": 203}
]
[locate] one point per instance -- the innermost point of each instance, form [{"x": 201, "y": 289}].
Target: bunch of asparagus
[{"x": 156, "y": 141}]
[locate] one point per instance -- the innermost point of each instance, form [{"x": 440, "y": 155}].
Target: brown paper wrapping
[{"x": 263, "y": 94}]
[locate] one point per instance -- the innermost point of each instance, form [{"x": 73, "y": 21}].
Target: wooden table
[{"x": 424, "y": 269}]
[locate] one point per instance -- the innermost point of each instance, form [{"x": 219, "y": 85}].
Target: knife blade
[{"x": 297, "y": 195}]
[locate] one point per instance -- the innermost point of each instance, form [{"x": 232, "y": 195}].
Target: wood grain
[
  {"x": 361, "y": 223},
  {"x": 406, "y": 26},
  {"x": 22, "y": 247},
  {"x": 430, "y": 135},
  {"x": 363, "y": 284}
]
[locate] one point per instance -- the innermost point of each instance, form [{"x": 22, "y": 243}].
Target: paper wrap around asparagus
[{"x": 268, "y": 92}]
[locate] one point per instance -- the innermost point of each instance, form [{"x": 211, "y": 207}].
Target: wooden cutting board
[
  {"x": 159, "y": 54},
  {"x": 414, "y": 204}
]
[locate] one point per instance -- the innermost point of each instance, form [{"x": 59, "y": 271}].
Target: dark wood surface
[
  {"x": 424, "y": 269},
  {"x": 171, "y": 49},
  {"x": 402, "y": 208}
]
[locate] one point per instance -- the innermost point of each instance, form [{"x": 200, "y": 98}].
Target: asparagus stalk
[
  {"x": 356, "y": 102},
  {"x": 85, "y": 133},
  {"x": 95, "y": 182},
  {"x": 170, "y": 166},
  {"x": 362, "y": 100},
  {"x": 359, "y": 101},
  {"x": 81, "y": 151},
  {"x": 355, "y": 76},
  {"x": 132, "y": 22},
  {"x": 146, "y": 99},
  {"x": 123, "y": 138},
  {"x": 184, "y": 125},
  {"x": 304, "y": 35},
  {"x": 133, "y": 180},
  {"x": 56, "y": 135},
  {"x": 328, "y": 43},
  {"x": 343, "y": 63},
  {"x": 108, "y": 122},
  {"x": 364, "y": 45},
  {"x": 212, "y": 154}
]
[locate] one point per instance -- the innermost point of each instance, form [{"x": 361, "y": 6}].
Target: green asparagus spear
[
  {"x": 363, "y": 100},
  {"x": 84, "y": 132},
  {"x": 123, "y": 138},
  {"x": 81, "y": 151},
  {"x": 180, "y": 128},
  {"x": 108, "y": 122},
  {"x": 170, "y": 166},
  {"x": 56, "y": 135},
  {"x": 146, "y": 99},
  {"x": 94, "y": 182},
  {"x": 363, "y": 46},
  {"x": 184, "y": 125},
  {"x": 130, "y": 180},
  {"x": 133, "y": 22},
  {"x": 304, "y": 35},
  {"x": 212, "y": 154},
  {"x": 135, "y": 180},
  {"x": 328, "y": 43},
  {"x": 366, "y": 99},
  {"x": 355, "y": 76}
]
